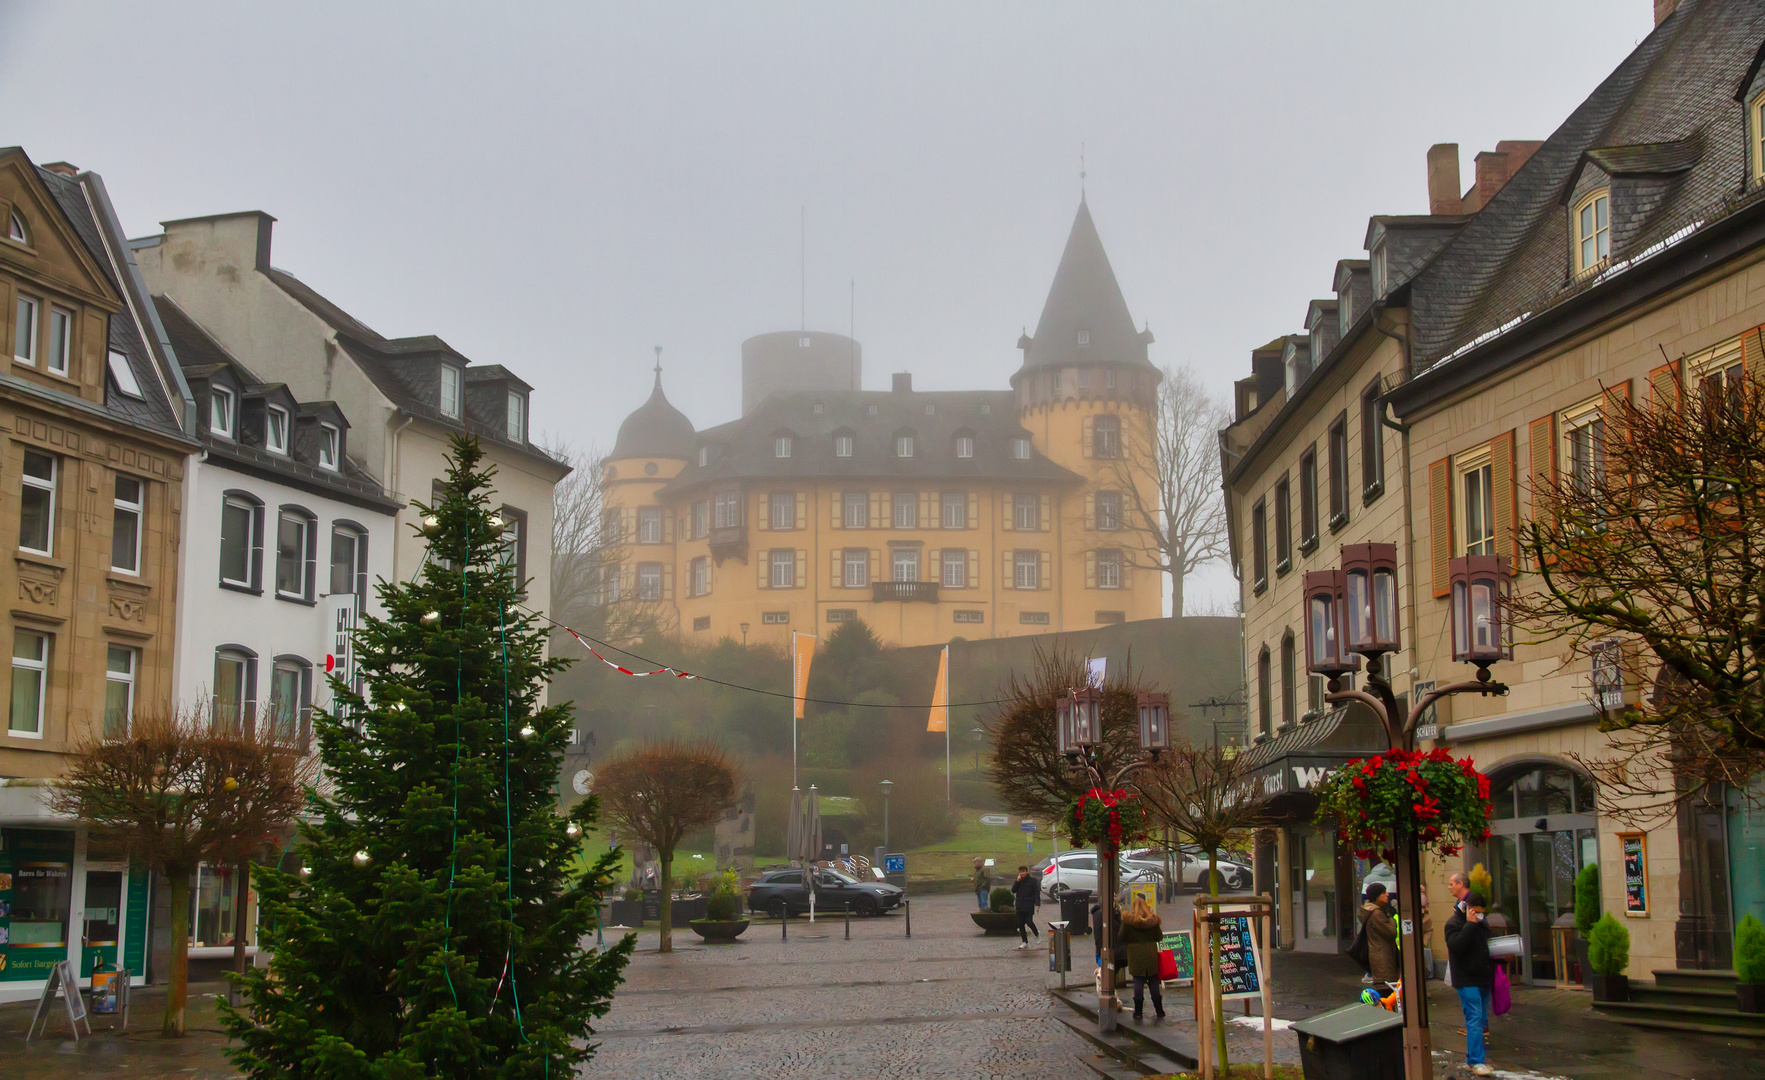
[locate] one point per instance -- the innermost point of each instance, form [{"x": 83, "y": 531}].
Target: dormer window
[
  {"x": 15, "y": 229},
  {"x": 904, "y": 445},
  {"x": 1378, "y": 271},
  {"x": 450, "y": 391},
  {"x": 220, "y": 411},
  {"x": 931, "y": 410},
  {"x": 1755, "y": 129},
  {"x": 781, "y": 446},
  {"x": 1020, "y": 448},
  {"x": 330, "y": 444},
  {"x": 1592, "y": 235},
  {"x": 986, "y": 409},
  {"x": 870, "y": 410},
  {"x": 842, "y": 445},
  {"x": 803, "y": 342},
  {"x": 124, "y": 375},
  {"x": 517, "y": 416},
  {"x": 276, "y": 429},
  {"x": 1084, "y": 337},
  {"x": 704, "y": 456},
  {"x": 965, "y": 446},
  {"x": 1344, "y": 315}
]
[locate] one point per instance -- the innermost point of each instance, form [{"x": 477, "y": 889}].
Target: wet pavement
[{"x": 138, "y": 1052}]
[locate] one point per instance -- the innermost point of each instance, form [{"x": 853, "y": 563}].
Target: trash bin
[
  {"x": 1075, "y": 910},
  {"x": 1059, "y": 951},
  {"x": 1355, "y": 1042}
]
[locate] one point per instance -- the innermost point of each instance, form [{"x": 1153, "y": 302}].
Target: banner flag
[
  {"x": 1094, "y": 670},
  {"x": 940, "y": 714},
  {"x": 802, "y": 654}
]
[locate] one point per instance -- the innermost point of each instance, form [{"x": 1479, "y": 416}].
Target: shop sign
[
  {"x": 1284, "y": 778},
  {"x": 1606, "y": 679}
]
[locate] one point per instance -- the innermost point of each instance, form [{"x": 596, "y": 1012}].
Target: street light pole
[{"x": 886, "y": 785}]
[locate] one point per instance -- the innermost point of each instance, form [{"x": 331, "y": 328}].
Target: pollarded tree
[
  {"x": 659, "y": 792},
  {"x": 436, "y": 929}
]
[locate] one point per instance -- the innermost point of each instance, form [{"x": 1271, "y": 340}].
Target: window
[
  {"x": 1339, "y": 472},
  {"x": 1479, "y": 513},
  {"x": 1584, "y": 438},
  {"x": 1283, "y": 527},
  {"x": 1020, "y": 449},
  {"x": 783, "y": 509},
  {"x": 1084, "y": 337},
  {"x": 903, "y": 446},
  {"x": 961, "y": 616},
  {"x": 330, "y": 438},
  {"x": 781, "y": 446},
  {"x": 649, "y": 581},
  {"x": 965, "y": 446},
  {"x": 704, "y": 456},
  {"x": 123, "y": 374},
  {"x": 1264, "y": 722},
  {"x": 1344, "y": 312},
  {"x": 955, "y": 568},
  {"x": 842, "y": 446},
  {"x": 1026, "y": 511},
  {"x": 125, "y": 526},
  {"x": 1107, "y": 617},
  {"x": 931, "y": 410},
  {"x": 276, "y": 429},
  {"x": 15, "y": 229},
  {"x": 234, "y": 687},
  {"x": 1289, "y": 683},
  {"x": 290, "y": 693},
  {"x": 450, "y": 391},
  {"x": 61, "y": 339},
  {"x": 24, "y": 331},
  {"x": 1109, "y": 569},
  {"x": 855, "y": 510},
  {"x": 1755, "y": 125},
  {"x": 240, "y": 542},
  {"x": 513, "y": 556},
  {"x": 1084, "y": 378},
  {"x": 699, "y": 518},
  {"x": 1109, "y": 511},
  {"x": 1259, "y": 552},
  {"x": 870, "y": 410},
  {"x": 1106, "y": 436},
  {"x": 220, "y": 411},
  {"x": 1109, "y": 378},
  {"x": 819, "y": 407},
  {"x": 727, "y": 509},
  {"x": 1026, "y": 570},
  {"x": 703, "y": 622},
  {"x": 1033, "y": 618},
  {"x": 906, "y": 504},
  {"x": 1592, "y": 236},
  {"x": 855, "y": 568},
  {"x": 348, "y": 562},
  {"x": 1308, "y": 500},
  {"x": 775, "y": 618},
  {"x": 699, "y": 576},
  {"x": 30, "y": 682},
  {"x": 784, "y": 568},
  {"x": 955, "y": 507},
  {"x": 1378, "y": 271},
  {"x": 1372, "y": 444},
  {"x": 904, "y": 564},
  {"x": 517, "y": 416},
  {"x": 36, "y": 520},
  {"x": 119, "y": 690},
  {"x": 649, "y": 524},
  {"x": 293, "y": 540}
]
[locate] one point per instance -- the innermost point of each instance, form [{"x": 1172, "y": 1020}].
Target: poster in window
[{"x": 1635, "y": 850}]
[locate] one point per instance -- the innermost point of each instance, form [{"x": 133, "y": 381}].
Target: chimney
[
  {"x": 1664, "y": 8},
  {"x": 1494, "y": 169},
  {"x": 903, "y": 383},
  {"x": 62, "y": 168},
  {"x": 1443, "y": 178}
]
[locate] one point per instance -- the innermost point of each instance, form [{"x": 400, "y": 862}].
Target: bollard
[
  {"x": 848, "y": 922},
  {"x": 784, "y": 924},
  {"x": 907, "y": 906}
]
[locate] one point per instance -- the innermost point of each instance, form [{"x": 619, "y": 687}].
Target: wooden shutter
[
  {"x": 1044, "y": 519},
  {"x": 1541, "y": 452},
  {"x": 885, "y": 503},
  {"x": 838, "y": 519},
  {"x": 876, "y": 564},
  {"x": 765, "y": 522},
  {"x": 802, "y": 575},
  {"x": 765, "y": 560},
  {"x": 628, "y": 525},
  {"x": 667, "y": 527},
  {"x": 928, "y": 510},
  {"x": 1005, "y": 580},
  {"x": 974, "y": 569},
  {"x": 974, "y": 510},
  {"x": 1664, "y": 387},
  {"x": 836, "y": 579},
  {"x": 1504, "y": 496},
  {"x": 1090, "y": 569},
  {"x": 1090, "y": 511},
  {"x": 1440, "y": 525},
  {"x": 802, "y": 510},
  {"x": 667, "y": 581},
  {"x": 876, "y": 521},
  {"x": 934, "y": 568},
  {"x": 1087, "y": 437},
  {"x": 1045, "y": 573},
  {"x": 1007, "y": 512}
]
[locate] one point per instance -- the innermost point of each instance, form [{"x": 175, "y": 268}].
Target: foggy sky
[{"x": 560, "y": 188}]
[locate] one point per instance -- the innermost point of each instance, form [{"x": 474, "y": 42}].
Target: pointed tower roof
[
  {"x": 1084, "y": 297},
  {"x": 656, "y": 430}
]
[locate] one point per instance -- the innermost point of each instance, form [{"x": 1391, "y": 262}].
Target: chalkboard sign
[
  {"x": 1635, "y": 848},
  {"x": 1240, "y": 971},
  {"x": 1181, "y": 945}
]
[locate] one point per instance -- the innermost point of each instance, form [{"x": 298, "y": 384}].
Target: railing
[{"x": 904, "y": 591}]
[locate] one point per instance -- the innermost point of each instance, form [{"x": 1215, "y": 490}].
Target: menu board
[
  {"x": 1240, "y": 970},
  {"x": 1635, "y": 849},
  {"x": 1181, "y": 944}
]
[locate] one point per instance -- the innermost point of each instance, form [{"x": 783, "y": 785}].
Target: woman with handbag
[
  {"x": 1141, "y": 933},
  {"x": 1381, "y": 931}
]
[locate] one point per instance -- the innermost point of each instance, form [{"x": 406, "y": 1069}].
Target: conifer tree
[{"x": 436, "y": 928}]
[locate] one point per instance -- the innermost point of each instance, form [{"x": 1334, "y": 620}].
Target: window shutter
[
  {"x": 667, "y": 581},
  {"x": 1505, "y": 495},
  {"x": 928, "y": 510},
  {"x": 876, "y": 512},
  {"x": 1440, "y": 525},
  {"x": 1090, "y": 569},
  {"x": 802, "y": 510},
  {"x": 974, "y": 510},
  {"x": 974, "y": 569},
  {"x": 1090, "y": 510},
  {"x": 1087, "y": 435},
  {"x": 1612, "y": 408},
  {"x": 765, "y": 522},
  {"x": 934, "y": 566},
  {"x": 802, "y": 575},
  {"x": 1541, "y": 448},
  {"x": 836, "y": 577},
  {"x": 1126, "y": 571},
  {"x": 764, "y": 559},
  {"x": 1007, "y": 517},
  {"x": 1664, "y": 386},
  {"x": 1043, "y": 517},
  {"x": 838, "y": 520},
  {"x": 1045, "y": 576},
  {"x": 1006, "y": 582},
  {"x": 886, "y": 502},
  {"x": 875, "y": 564}
]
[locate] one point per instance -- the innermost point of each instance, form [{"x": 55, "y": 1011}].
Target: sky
[{"x": 562, "y": 187}]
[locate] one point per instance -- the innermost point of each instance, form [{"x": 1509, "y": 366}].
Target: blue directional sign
[
  {"x": 1028, "y": 825},
  {"x": 894, "y": 864}
]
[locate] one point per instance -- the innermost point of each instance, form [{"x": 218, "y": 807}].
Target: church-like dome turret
[{"x": 656, "y": 430}]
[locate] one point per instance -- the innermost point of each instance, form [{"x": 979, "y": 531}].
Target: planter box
[
  {"x": 1749, "y": 997},
  {"x": 719, "y": 929},
  {"x": 685, "y": 909},
  {"x": 627, "y": 913},
  {"x": 995, "y": 923},
  {"x": 1610, "y": 987}
]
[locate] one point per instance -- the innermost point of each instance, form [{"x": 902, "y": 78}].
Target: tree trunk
[
  {"x": 667, "y": 901},
  {"x": 1219, "y": 1000},
  {"x": 239, "y": 897},
  {"x": 1176, "y": 590},
  {"x": 178, "y": 985}
]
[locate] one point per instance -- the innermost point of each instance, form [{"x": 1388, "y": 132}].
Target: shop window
[
  {"x": 211, "y": 907},
  {"x": 41, "y": 892}
]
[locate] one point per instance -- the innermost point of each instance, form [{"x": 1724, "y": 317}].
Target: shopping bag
[
  {"x": 1501, "y": 1000},
  {"x": 1358, "y": 949},
  {"x": 1167, "y": 965}
]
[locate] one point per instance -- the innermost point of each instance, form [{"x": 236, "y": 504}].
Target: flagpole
[
  {"x": 947, "y": 787},
  {"x": 794, "y": 684}
]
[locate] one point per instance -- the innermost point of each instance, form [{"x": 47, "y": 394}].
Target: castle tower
[{"x": 655, "y": 443}]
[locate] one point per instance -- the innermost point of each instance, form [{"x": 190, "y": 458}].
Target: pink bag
[{"x": 1501, "y": 999}]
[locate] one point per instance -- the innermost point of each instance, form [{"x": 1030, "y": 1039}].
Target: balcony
[
  {"x": 729, "y": 540},
  {"x": 904, "y": 592}
]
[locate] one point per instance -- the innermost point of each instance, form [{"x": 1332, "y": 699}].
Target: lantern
[
  {"x": 1370, "y": 597},
  {"x": 1480, "y": 590},
  {"x": 1063, "y": 731},
  {"x": 1155, "y": 721},
  {"x": 1081, "y": 720},
  {"x": 1325, "y": 633}
]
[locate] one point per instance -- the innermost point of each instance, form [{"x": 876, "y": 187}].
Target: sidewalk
[{"x": 139, "y": 1052}]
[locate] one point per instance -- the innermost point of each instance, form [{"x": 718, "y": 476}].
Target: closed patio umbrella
[
  {"x": 793, "y": 846},
  {"x": 811, "y": 844}
]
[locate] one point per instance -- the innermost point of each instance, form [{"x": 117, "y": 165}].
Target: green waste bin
[{"x": 1355, "y": 1042}]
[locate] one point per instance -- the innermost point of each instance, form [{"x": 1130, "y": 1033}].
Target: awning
[{"x": 1290, "y": 765}]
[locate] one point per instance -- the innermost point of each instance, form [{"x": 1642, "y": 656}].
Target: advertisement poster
[
  {"x": 1181, "y": 943},
  {"x": 1240, "y": 971},
  {"x": 1634, "y": 847}
]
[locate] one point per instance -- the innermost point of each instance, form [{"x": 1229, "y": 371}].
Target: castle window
[
  {"x": 955, "y": 568},
  {"x": 701, "y": 576},
  {"x": 855, "y": 510},
  {"x": 699, "y": 519},
  {"x": 1592, "y": 235},
  {"x": 855, "y": 566},
  {"x": 727, "y": 510},
  {"x": 649, "y": 581},
  {"x": 1084, "y": 337},
  {"x": 842, "y": 446},
  {"x": 906, "y": 510},
  {"x": 783, "y": 562},
  {"x": 1026, "y": 511},
  {"x": 1109, "y": 511},
  {"x": 649, "y": 525},
  {"x": 1106, "y": 437},
  {"x": 903, "y": 446},
  {"x": 955, "y": 510},
  {"x": 1109, "y": 568},
  {"x": 783, "y": 510},
  {"x": 781, "y": 446},
  {"x": 1020, "y": 449}
]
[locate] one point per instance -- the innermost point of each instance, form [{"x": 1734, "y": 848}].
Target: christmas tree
[{"x": 435, "y": 928}]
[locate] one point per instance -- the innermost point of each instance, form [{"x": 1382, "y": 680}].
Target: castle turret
[{"x": 655, "y": 443}]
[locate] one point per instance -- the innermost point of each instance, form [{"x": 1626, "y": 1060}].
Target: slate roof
[
  {"x": 655, "y": 429},
  {"x": 743, "y": 449},
  {"x": 1084, "y": 296}
]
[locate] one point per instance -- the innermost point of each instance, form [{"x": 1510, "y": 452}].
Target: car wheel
[
  {"x": 1055, "y": 890},
  {"x": 865, "y": 905},
  {"x": 775, "y": 907}
]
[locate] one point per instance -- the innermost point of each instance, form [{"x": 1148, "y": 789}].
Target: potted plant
[
  {"x": 628, "y": 909},
  {"x": 1000, "y": 918},
  {"x": 1587, "y": 912},
  {"x": 1608, "y": 953},
  {"x": 1749, "y": 965},
  {"x": 1443, "y": 803},
  {"x": 722, "y": 921}
]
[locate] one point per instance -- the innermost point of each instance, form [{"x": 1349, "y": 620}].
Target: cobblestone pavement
[{"x": 945, "y": 1003}]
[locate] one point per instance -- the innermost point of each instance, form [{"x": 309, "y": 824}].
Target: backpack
[{"x": 1358, "y": 949}]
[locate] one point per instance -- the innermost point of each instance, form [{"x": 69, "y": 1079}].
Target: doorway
[
  {"x": 1545, "y": 830},
  {"x": 101, "y": 924}
]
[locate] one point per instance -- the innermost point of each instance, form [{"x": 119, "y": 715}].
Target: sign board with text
[
  {"x": 995, "y": 819},
  {"x": 1240, "y": 967}
]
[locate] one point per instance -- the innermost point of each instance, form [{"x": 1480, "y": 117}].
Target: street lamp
[
  {"x": 1155, "y": 721},
  {"x": 1351, "y": 613},
  {"x": 744, "y": 635},
  {"x": 886, "y": 785},
  {"x": 1079, "y": 721},
  {"x": 980, "y": 735}
]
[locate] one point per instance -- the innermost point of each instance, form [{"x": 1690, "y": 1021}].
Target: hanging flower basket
[
  {"x": 1445, "y": 803},
  {"x": 1106, "y": 820}
]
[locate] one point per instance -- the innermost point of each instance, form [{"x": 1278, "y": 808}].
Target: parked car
[
  {"x": 1190, "y": 865},
  {"x": 778, "y": 890},
  {"x": 1078, "y": 870}
]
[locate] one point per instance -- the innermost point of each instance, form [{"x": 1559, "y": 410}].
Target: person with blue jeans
[
  {"x": 983, "y": 884},
  {"x": 1473, "y": 972}
]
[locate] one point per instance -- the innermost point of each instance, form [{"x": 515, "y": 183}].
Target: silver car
[
  {"x": 1190, "y": 867},
  {"x": 1078, "y": 870}
]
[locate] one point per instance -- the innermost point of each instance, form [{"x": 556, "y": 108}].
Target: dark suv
[{"x": 778, "y": 890}]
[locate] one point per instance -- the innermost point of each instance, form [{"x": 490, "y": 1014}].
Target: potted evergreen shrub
[
  {"x": 1749, "y": 965},
  {"x": 723, "y": 908},
  {"x": 1000, "y": 918},
  {"x": 1587, "y": 912},
  {"x": 1608, "y": 952}
]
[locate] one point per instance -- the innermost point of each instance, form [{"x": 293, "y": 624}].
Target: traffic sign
[
  {"x": 894, "y": 864},
  {"x": 1028, "y": 825},
  {"x": 995, "y": 819}
]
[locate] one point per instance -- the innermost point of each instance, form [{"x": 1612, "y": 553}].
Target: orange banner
[
  {"x": 802, "y": 654},
  {"x": 940, "y": 714}
]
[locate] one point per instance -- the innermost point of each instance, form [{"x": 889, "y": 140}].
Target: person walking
[
  {"x": 1026, "y": 895},
  {"x": 1119, "y": 957},
  {"x": 1473, "y": 972},
  {"x": 1381, "y": 935},
  {"x": 983, "y": 884},
  {"x": 1142, "y": 933}
]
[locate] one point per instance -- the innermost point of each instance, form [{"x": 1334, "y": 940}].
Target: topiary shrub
[
  {"x": 1001, "y": 899},
  {"x": 1587, "y": 898},
  {"x": 1481, "y": 882},
  {"x": 1749, "y": 950},
  {"x": 724, "y": 904},
  {"x": 631, "y": 894},
  {"x": 1608, "y": 946}
]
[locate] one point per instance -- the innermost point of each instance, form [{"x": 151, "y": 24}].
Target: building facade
[{"x": 929, "y": 515}]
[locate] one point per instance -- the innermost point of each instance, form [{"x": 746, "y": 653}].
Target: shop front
[
  {"x": 57, "y": 904},
  {"x": 1545, "y": 830}
]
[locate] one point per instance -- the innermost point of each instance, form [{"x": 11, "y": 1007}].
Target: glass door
[
  {"x": 101, "y": 931},
  {"x": 1544, "y": 832}
]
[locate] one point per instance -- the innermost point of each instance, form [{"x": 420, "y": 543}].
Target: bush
[
  {"x": 1000, "y": 899},
  {"x": 631, "y": 895},
  {"x": 1587, "y": 899},
  {"x": 1481, "y": 882},
  {"x": 725, "y": 901},
  {"x": 1749, "y": 950},
  {"x": 1608, "y": 946}
]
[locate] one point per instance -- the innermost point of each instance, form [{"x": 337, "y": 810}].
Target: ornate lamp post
[
  {"x": 1078, "y": 729},
  {"x": 1352, "y": 613}
]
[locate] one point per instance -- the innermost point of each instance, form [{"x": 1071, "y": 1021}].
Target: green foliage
[
  {"x": 1000, "y": 899},
  {"x": 725, "y": 901},
  {"x": 1608, "y": 946},
  {"x": 1444, "y": 803},
  {"x": 454, "y": 949},
  {"x": 631, "y": 895},
  {"x": 1587, "y": 898},
  {"x": 1107, "y": 820},
  {"x": 1749, "y": 950},
  {"x": 1481, "y": 882}
]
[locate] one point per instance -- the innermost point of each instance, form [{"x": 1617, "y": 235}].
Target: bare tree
[
  {"x": 1174, "y": 515},
  {"x": 659, "y": 792},
  {"x": 594, "y": 588}
]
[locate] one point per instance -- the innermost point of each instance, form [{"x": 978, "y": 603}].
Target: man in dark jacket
[
  {"x": 1120, "y": 951},
  {"x": 1473, "y": 972},
  {"x": 1026, "y": 895}
]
